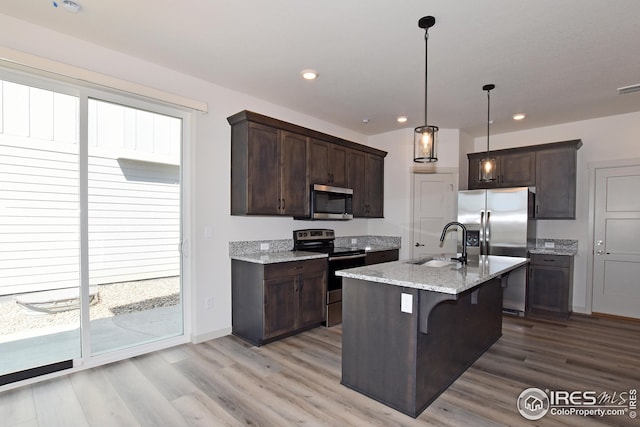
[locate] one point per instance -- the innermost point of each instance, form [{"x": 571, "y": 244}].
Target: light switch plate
[
  {"x": 264, "y": 246},
  {"x": 406, "y": 303}
]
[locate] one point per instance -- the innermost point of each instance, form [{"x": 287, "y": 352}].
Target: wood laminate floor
[{"x": 296, "y": 381}]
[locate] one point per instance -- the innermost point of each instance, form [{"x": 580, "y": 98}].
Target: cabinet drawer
[
  {"x": 294, "y": 268},
  {"x": 379, "y": 257},
  {"x": 551, "y": 260}
]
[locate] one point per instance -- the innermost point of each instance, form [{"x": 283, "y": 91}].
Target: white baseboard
[
  {"x": 197, "y": 339},
  {"x": 581, "y": 310}
]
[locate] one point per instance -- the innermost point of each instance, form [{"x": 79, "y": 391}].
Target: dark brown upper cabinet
[
  {"x": 366, "y": 177},
  {"x": 512, "y": 170},
  {"x": 327, "y": 163},
  {"x": 550, "y": 168},
  {"x": 274, "y": 164},
  {"x": 556, "y": 183},
  {"x": 267, "y": 174}
]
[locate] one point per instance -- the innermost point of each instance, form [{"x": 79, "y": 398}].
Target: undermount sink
[
  {"x": 437, "y": 263},
  {"x": 433, "y": 261}
]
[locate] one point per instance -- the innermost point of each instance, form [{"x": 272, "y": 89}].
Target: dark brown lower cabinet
[
  {"x": 550, "y": 285},
  {"x": 406, "y": 358},
  {"x": 271, "y": 301},
  {"x": 378, "y": 257}
]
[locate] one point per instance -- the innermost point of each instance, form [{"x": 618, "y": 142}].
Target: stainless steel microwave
[{"x": 329, "y": 202}]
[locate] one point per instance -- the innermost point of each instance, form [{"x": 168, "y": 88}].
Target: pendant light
[
  {"x": 488, "y": 164},
  {"x": 425, "y": 136}
]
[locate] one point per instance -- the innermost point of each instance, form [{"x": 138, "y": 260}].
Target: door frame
[
  {"x": 454, "y": 172},
  {"x": 85, "y": 90},
  {"x": 592, "y": 168}
]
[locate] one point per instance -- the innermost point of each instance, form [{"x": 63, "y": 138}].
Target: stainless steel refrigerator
[{"x": 501, "y": 222}]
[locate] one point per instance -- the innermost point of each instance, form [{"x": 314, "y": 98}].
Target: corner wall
[{"x": 606, "y": 138}]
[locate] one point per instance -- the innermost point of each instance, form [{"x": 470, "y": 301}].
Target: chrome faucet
[{"x": 463, "y": 257}]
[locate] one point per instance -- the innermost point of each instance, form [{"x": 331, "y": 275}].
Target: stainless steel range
[{"x": 340, "y": 258}]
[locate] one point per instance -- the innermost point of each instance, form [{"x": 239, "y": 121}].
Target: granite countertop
[
  {"x": 452, "y": 278},
  {"x": 553, "y": 251},
  {"x": 273, "y": 257},
  {"x": 554, "y": 247}
]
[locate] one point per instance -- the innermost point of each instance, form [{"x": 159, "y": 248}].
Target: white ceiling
[{"x": 556, "y": 60}]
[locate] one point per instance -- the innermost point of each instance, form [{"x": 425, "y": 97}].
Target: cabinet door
[
  {"x": 294, "y": 186},
  {"x": 311, "y": 298},
  {"x": 375, "y": 186},
  {"x": 338, "y": 165},
  {"x": 556, "y": 184},
  {"x": 319, "y": 162},
  {"x": 327, "y": 163},
  {"x": 517, "y": 170},
  {"x": 263, "y": 170},
  {"x": 549, "y": 289},
  {"x": 356, "y": 179},
  {"x": 279, "y": 306}
]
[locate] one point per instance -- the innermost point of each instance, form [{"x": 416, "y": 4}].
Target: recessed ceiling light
[
  {"x": 402, "y": 119},
  {"x": 519, "y": 116},
  {"x": 309, "y": 74}
]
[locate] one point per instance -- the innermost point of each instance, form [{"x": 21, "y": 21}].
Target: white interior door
[
  {"x": 434, "y": 198},
  {"x": 616, "y": 264}
]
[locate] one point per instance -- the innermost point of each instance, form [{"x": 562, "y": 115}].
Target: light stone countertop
[
  {"x": 452, "y": 278},
  {"x": 274, "y": 257}
]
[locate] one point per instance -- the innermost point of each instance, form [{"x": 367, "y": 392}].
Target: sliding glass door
[
  {"x": 39, "y": 227},
  {"x": 90, "y": 226},
  {"x": 133, "y": 226}
]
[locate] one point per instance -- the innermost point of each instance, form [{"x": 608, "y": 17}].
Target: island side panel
[
  {"x": 379, "y": 342},
  {"x": 459, "y": 332}
]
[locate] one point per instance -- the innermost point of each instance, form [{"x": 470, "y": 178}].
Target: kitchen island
[{"x": 410, "y": 328}]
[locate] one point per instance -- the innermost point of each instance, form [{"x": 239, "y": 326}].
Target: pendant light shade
[
  {"x": 488, "y": 164},
  {"x": 425, "y": 137}
]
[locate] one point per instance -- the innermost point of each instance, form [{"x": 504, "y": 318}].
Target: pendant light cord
[
  {"x": 488, "y": 118},
  {"x": 426, "y": 72}
]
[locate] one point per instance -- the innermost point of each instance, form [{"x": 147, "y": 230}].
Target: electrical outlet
[
  {"x": 406, "y": 303},
  {"x": 208, "y": 303},
  {"x": 549, "y": 245},
  {"x": 264, "y": 246},
  {"x": 354, "y": 241},
  {"x": 208, "y": 232}
]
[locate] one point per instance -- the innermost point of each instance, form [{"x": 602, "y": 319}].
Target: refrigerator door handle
[
  {"x": 487, "y": 234},
  {"x": 482, "y": 251}
]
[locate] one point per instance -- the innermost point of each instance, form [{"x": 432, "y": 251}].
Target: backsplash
[
  {"x": 565, "y": 244},
  {"x": 366, "y": 242},
  {"x": 555, "y": 247}
]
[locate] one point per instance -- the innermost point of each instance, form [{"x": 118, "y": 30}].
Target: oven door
[{"x": 334, "y": 285}]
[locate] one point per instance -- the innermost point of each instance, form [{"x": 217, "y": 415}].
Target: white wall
[
  {"x": 398, "y": 171},
  {"x": 606, "y": 138}
]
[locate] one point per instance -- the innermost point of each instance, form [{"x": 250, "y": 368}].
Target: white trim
[
  {"x": 83, "y": 364},
  {"x": 592, "y": 167},
  {"x": 92, "y": 77},
  {"x": 197, "y": 339}
]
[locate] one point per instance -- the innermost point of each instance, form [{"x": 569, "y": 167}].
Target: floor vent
[{"x": 35, "y": 372}]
